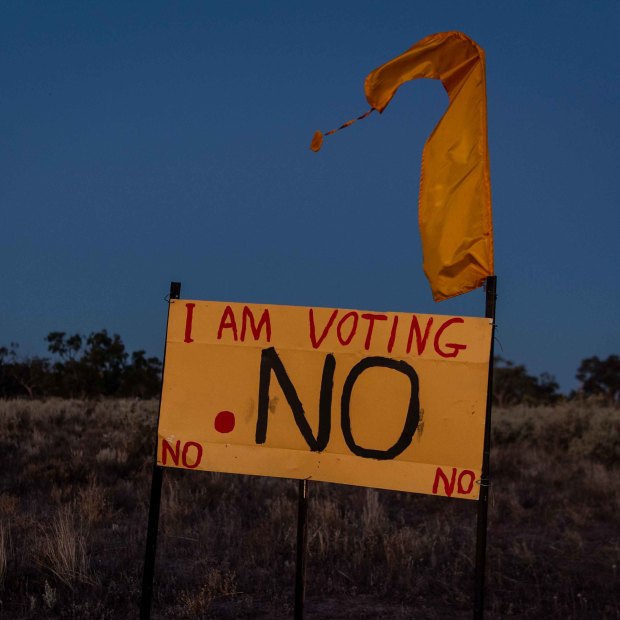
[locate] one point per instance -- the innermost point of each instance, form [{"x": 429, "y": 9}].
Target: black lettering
[
  {"x": 413, "y": 409},
  {"x": 270, "y": 361}
]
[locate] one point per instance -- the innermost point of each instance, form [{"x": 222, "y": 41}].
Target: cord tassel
[{"x": 317, "y": 139}]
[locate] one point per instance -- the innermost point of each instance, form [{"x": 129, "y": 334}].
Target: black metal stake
[
  {"x": 154, "y": 504},
  {"x": 302, "y": 536},
  {"x": 483, "y": 500}
]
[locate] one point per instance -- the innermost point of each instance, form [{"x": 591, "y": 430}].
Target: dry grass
[
  {"x": 74, "y": 488},
  {"x": 62, "y": 549}
]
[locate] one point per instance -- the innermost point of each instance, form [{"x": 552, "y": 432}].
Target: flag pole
[
  {"x": 483, "y": 500},
  {"x": 155, "y": 501},
  {"x": 302, "y": 537}
]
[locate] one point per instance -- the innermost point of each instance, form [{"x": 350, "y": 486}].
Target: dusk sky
[{"x": 145, "y": 142}]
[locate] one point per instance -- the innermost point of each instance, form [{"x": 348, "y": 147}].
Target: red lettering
[
  {"x": 227, "y": 322},
  {"x": 371, "y": 318},
  {"x": 455, "y": 348},
  {"x": 198, "y": 458},
  {"x": 393, "y": 333},
  {"x": 420, "y": 339},
  {"x": 256, "y": 329},
  {"x": 167, "y": 448},
  {"x": 188, "y": 322},
  {"x": 448, "y": 487},
  {"x": 345, "y": 341},
  {"x": 317, "y": 343},
  {"x": 472, "y": 479}
]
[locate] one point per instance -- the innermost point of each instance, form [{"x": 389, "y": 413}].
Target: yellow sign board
[{"x": 381, "y": 399}]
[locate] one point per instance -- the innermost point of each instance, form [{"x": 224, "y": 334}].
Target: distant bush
[
  {"x": 600, "y": 378},
  {"x": 580, "y": 429},
  {"x": 81, "y": 367},
  {"x": 512, "y": 385}
]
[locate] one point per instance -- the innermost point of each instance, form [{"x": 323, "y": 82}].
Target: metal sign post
[
  {"x": 302, "y": 537},
  {"x": 154, "y": 504},
  {"x": 483, "y": 501}
]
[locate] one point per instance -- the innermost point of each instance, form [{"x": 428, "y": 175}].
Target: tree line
[
  {"x": 98, "y": 365},
  {"x": 513, "y": 385}
]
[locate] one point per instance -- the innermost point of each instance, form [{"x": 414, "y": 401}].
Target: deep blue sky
[{"x": 149, "y": 141}]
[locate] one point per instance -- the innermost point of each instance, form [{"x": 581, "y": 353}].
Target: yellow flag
[{"x": 455, "y": 189}]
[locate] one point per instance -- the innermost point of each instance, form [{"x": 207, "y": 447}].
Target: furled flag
[{"x": 454, "y": 211}]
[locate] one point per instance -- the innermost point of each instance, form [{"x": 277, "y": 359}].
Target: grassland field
[{"x": 74, "y": 492}]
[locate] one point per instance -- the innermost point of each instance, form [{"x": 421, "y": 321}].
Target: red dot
[{"x": 224, "y": 421}]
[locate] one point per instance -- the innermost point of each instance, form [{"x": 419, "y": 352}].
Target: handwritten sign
[{"x": 381, "y": 399}]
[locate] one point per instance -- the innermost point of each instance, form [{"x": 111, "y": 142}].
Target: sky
[{"x": 145, "y": 142}]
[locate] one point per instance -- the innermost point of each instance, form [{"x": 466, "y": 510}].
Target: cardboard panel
[{"x": 380, "y": 399}]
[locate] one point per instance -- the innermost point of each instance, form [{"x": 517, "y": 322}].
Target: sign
[{"x": 380, "y": 399}]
